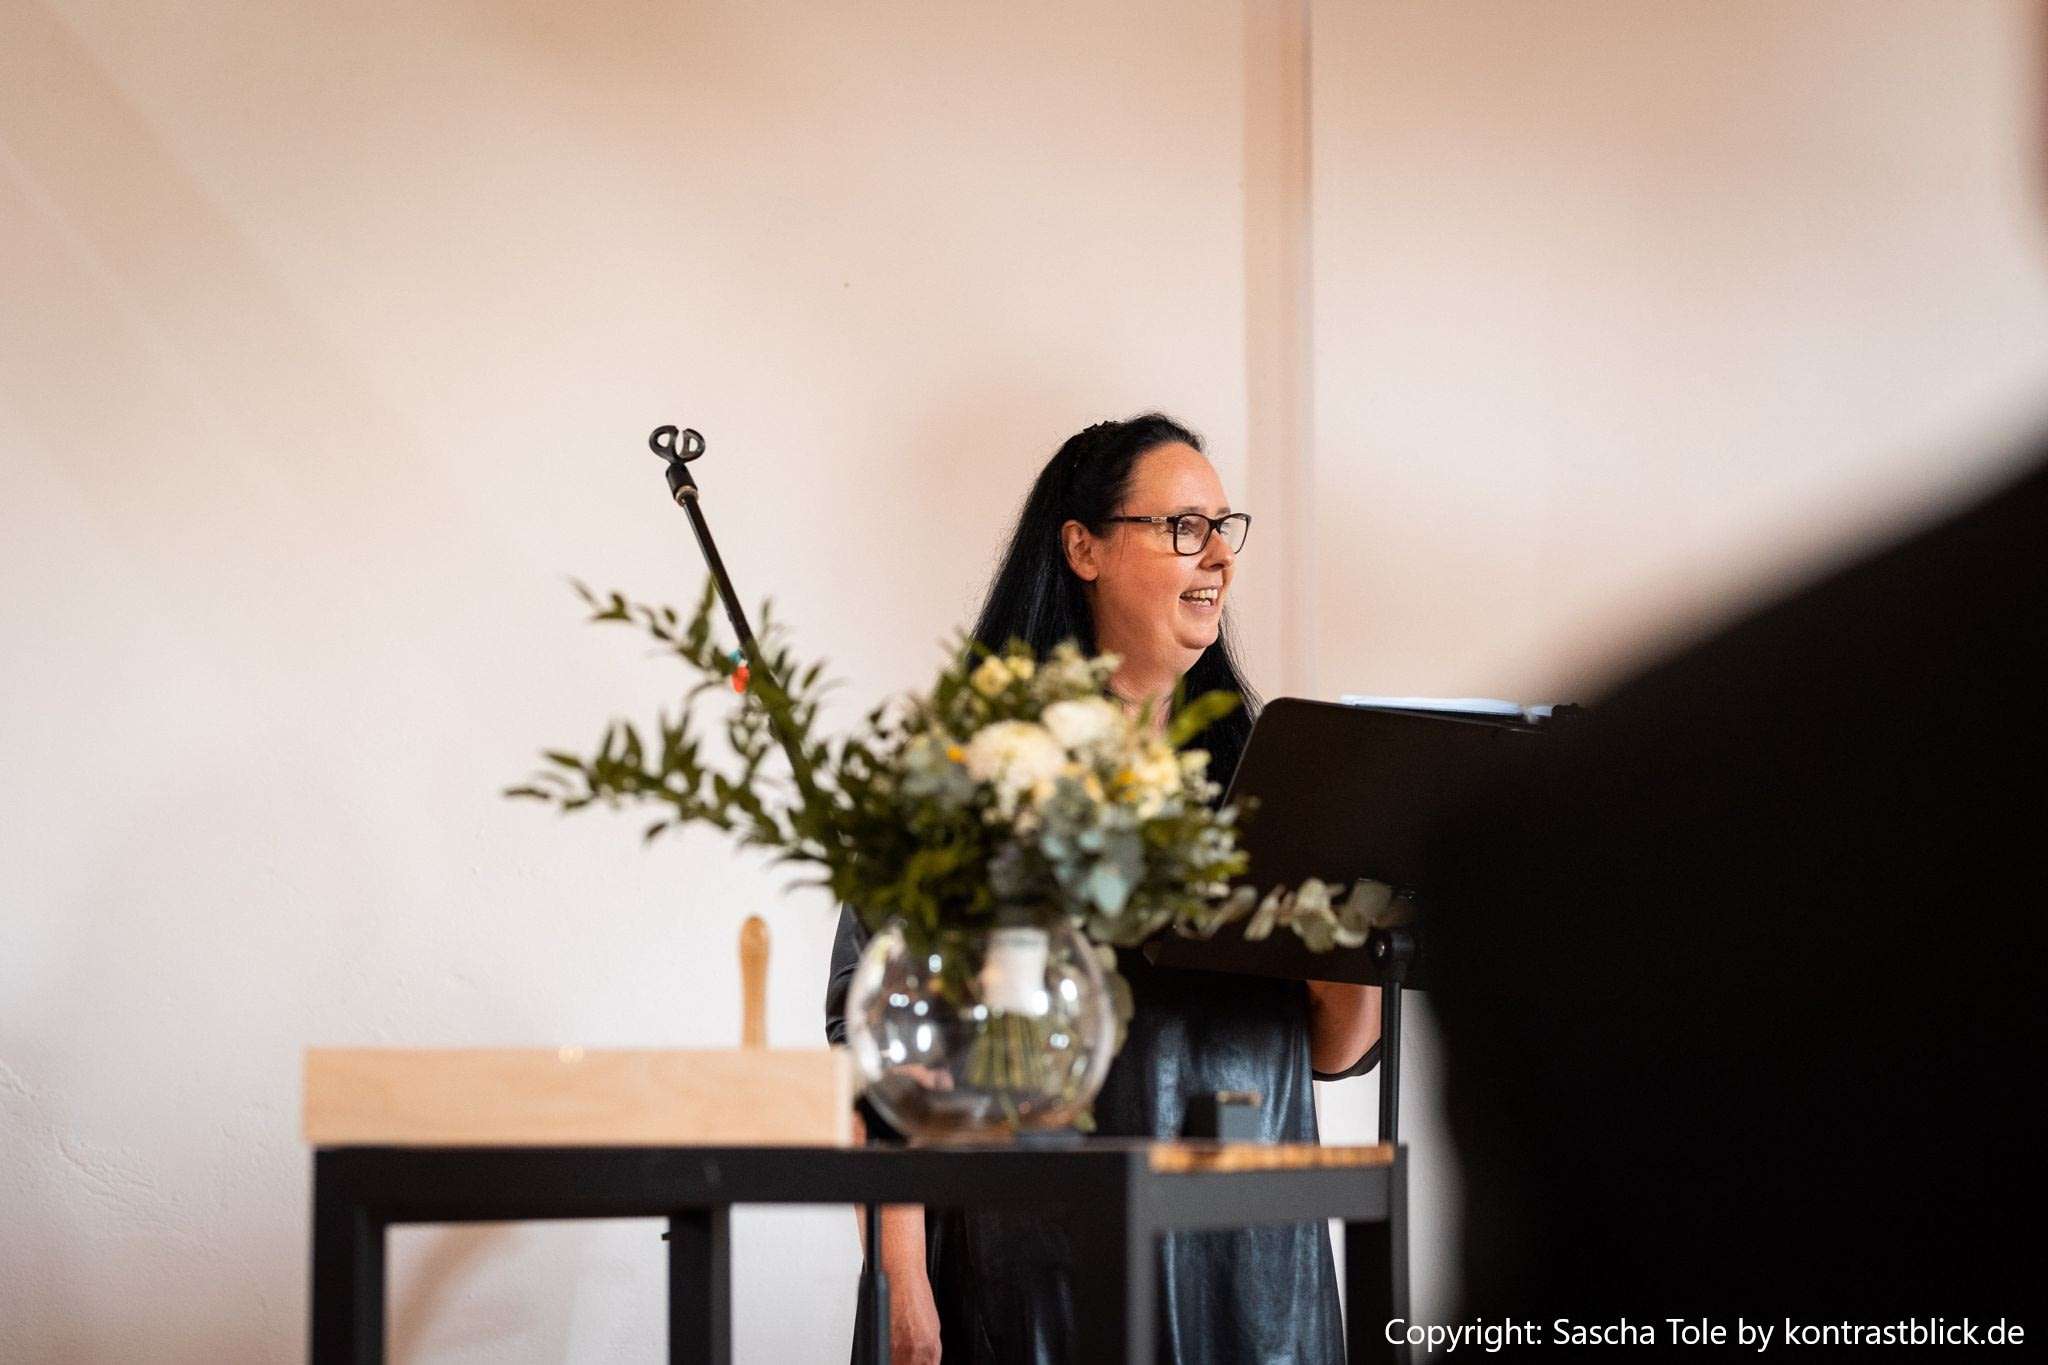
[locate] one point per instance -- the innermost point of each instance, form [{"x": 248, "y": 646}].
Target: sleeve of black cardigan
[{"x": 847, "y": 946}]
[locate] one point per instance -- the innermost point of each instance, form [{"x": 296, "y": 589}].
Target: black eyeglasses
[{"x": 1191, "y": 530}]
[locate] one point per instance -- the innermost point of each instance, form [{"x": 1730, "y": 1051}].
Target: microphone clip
[{"x": 678, "y": 446}]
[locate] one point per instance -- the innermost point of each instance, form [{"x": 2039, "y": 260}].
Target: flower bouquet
[{"x": 1015, "y": 808}]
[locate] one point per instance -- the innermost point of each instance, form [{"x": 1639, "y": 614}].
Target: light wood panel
[{"x": 573, "y": 1096}]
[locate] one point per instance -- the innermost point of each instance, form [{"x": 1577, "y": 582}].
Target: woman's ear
[{"x": 1080, "y": 548}]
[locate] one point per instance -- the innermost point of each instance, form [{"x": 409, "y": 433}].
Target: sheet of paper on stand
[{"x": 1464, "y": 706}]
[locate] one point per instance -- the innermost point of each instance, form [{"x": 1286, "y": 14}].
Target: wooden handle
[{"x": 754, "y": 982}]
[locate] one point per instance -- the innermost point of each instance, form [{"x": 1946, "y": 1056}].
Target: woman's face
[{"x": 1154, "y": 607}]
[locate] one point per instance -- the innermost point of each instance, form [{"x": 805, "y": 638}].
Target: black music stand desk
[{"x": 1343, "y": 792}]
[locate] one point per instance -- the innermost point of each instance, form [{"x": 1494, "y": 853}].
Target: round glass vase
[{"x": 980, "y": 1034}]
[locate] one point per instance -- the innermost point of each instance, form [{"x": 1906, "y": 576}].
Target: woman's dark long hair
[{"x": 1035, "y": 597}]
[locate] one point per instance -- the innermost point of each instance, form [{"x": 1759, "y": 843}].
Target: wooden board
[
  {"x": 1193, "y": 1158},
  {"x": 533, "y": 1097}
]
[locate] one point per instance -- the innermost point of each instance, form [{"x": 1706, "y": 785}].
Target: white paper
[
  {"x": 1013, "y": 973},
  {"x": 1464, "y": 706}
]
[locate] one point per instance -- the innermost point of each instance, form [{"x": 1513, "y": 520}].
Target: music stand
[{"x": 1343, "y": 792}]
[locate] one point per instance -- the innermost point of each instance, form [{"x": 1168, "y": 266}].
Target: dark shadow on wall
[{"x": 437, "y": 1275}]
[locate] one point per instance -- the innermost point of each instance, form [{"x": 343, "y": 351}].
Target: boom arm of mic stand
[{"x": 678, "y": 449}]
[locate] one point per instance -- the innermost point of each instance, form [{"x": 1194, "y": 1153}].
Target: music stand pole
[{"x": 1392, "y": 949}]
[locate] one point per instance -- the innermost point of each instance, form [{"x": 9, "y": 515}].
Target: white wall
[
  {"x": 1624, "y": 309},
  {"x": 329, "y": 337}
]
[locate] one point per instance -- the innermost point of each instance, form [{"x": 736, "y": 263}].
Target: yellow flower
[{"x": 956, "y": 753}]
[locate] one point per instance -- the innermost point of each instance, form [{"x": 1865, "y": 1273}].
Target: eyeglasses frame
[{"x": 1215, "y": 528}]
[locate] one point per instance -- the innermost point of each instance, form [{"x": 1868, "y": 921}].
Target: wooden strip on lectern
[
  {"x": 544, "y": 1097},
  {"x": 1196, "y": 1158}
]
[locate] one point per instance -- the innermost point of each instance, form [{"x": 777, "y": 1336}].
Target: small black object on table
[{"x": 1118, "y": 1196}]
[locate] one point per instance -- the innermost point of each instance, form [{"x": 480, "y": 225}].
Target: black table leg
[
  {"x": 700, "y": 1286},
  {"x": 871, "y": 1326},
  {"x": 1376, "y": 1275},
  {"x": 347, "y": 1309},
  {"x": 1115, "y": 1263}
]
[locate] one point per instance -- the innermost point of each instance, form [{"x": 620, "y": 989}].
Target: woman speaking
[{"x": 1128, "y": 546}]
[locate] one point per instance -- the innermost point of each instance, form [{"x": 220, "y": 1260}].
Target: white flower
[
  {"x": 1084, "y": 726},
  {"x": 992, "y": 677},
  {"x": 1017, "y": 757}
]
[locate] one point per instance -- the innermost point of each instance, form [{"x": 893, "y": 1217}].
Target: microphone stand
[{"x": 677, "y": 448}]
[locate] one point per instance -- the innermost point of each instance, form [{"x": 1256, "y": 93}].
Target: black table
[{"x": 1117, "y": 1195}]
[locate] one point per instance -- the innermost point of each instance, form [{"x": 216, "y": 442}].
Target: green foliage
[{"x": 1014, "y": 781}]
